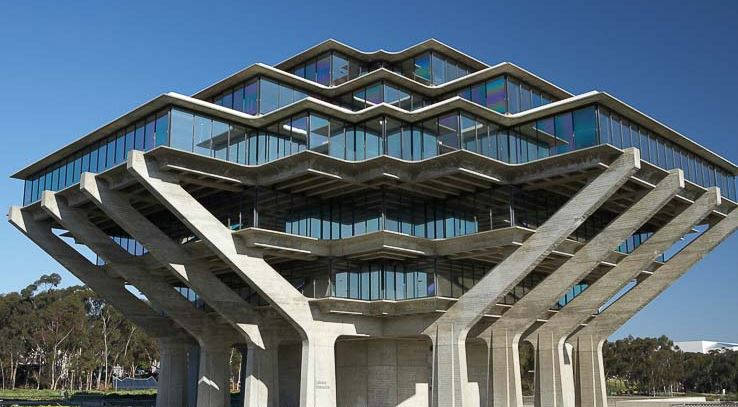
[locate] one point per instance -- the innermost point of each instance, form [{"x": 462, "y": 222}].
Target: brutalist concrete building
[{"x": 380, "y": 228}]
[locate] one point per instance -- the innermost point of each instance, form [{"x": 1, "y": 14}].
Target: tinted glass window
[
  {"x": 422, "y": 68},
  {"x": 251, "y": 98},
  {"x": 268, "y": 96},
  {"x": 319, "y": 133},
  {"x": 340, "y": 69},
  {"x": 448, "y": 133},
  {"x": 496, "y": 95},
  {"x": 585, "y": 127},
  {"x": 323, "y": 70},
  {"x": 220, "y": 139},
  {"x": 182, "y": 127}
]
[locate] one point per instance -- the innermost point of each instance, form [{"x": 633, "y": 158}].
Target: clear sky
[{"x": 68, "y": 70}]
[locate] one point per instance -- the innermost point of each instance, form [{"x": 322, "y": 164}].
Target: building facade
[{"x": 380, "y": 228}]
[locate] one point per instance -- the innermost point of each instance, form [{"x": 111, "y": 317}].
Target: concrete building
[
  {"x": 706, "y": 346},
  {"x": 380, "y": 228}
]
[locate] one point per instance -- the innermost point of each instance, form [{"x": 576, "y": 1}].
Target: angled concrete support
[
  {"x": 588, "y": 341},
  {"x": 173, "y": 342},
  {"x": 318, "y": 384},
  {"x": 215, "y": 338},
  {"x": 261, "y": 374},
  {"x": 551, "y": 388},
  {"x": 174, "y": 256},
  {"x": 455, "y": 324},
  {"x": 563, "y": 323}
]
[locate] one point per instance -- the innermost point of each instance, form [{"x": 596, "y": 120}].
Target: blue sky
[{"x": 68, "y": 70}]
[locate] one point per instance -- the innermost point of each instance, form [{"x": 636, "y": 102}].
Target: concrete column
[
  {"x": 503, "y": 366},
  {"x": 448, "y": 385},
  {"x": 172, "y": 386},
  {"x": 211, "y": 335},
  {"x": 590, "y": 388},
  {"x": 261, "y": 375},
  {"x": 470, "y": 308},
  {"x": 619, "y": 312},
  {"x": 553, "y": 333},
  {"x": 550, "y": 353},
  {"x": 213, "y": 384},
  {"x": 174, "y": 256},
  {"x": 318, "y": 370}
]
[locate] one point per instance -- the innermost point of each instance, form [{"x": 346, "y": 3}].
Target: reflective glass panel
[
  {"x": 182, "y": 126},
  {"x": 448, "y": 133},
  {"x": 319, "y": 133},
  {"x": 422, "y": 68},
  {"x": 495, "y": 97}
]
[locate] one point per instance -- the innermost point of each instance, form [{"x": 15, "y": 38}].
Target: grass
[{"x": 58, "y": 395}]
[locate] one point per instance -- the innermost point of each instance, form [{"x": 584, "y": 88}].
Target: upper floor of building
[{"x": 415, "y": 104}]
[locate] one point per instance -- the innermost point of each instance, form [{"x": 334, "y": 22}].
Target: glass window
[
  {"x": 448, "y": 133},
  {"x": 394, "y": 138},
  {"x": 564, "y": 133},
  {"x": 238, "y": 99},
  {"x": 120, "y": 152},
  {"x": 319, "y": 133},
  {"x": 237, "y": 150},
  {"x": 337, "y": 144},
  {"x": 513, "y": 96},
  {"x": 438, "y": 66},
  {"x": 585, "y": 127},
  {"x": 604, "y": 125},
  {"x": 298, "y": 133},
  {"x": 203, "y": 129},
  {"x": 422, "y": 68},
  {"x": 340, "y": 69},
  {"x": 139, "y": 138},
  {"x": 374, "y": 143},
  {"x": 149, "y": 136},
  {"x": 478, "y": 93},
  {"x": 374, "y": 94},
  {"x": 323, "y": 70},
  {"x": 268, "y": 96},
  {"x": 407, "y": 142},
  {"x": 130, "y": 138},
  {"x": 162, "y": 129},
  {"x": 251, "y": 98},
  {"x": 495, "y": 97},
  {"x": 182, "y": 127},
  {"x": 285, "y": 95},
  {"x": 220, "y": 139},
  {"x": 546, "y": 136},
  {"x": 469, "y": 133},
  {"x": 525, "y": 102}
]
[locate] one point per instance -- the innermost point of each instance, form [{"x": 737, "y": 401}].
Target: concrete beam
[
  {"x": 564, "y": 322},
  {"x": 514, "y": 322},
  {"x": 588, "y": 341},
  {"x": 174, "y": 343},
  {"x": 215, "y": 338},
  {"x": 451, "y": 329},
  {"x": 195, "y": 273}
]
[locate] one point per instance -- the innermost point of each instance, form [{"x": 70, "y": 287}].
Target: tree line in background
[
  {"x": 69, "y": 338},
  {"x": 656, "y": 366}
]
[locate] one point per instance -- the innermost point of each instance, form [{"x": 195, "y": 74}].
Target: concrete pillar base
[
  {"x": 504, "y": 388},
  {"x": 450, "y": 376},
  {"x": 261, "y": 376},
  {"x": 589, "y": 372},
  {"x": 554, "y": 381},
  {"x": 213, "y": 387},
  {"x": 173, "y": 385},
  {"x": 318, "y": 371}
]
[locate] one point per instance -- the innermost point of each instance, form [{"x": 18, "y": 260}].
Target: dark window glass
[
  {"x": 299, "y": 71},
  {"x": 564, "y": 133},
  {"x": 85, "y": 162},
  {"x": 525, "y": 102},
  {"x": 203, "y": 135},
  {"x": 120, "y": 152},
  {"x": 130, "y": 139},
  {"x": 238, "y": 99},
  {"x": 182, "y": 127},
  {"x": 323, "y": 70},
  {"x": 407, "y": 143},
  {"x": 27, "y": 191},
  {"x": 478, "y": 93},
  {"x": 310, "y": 71},
  {"x": 585, "y": 127},
  {"x": 139, "y": 138},
  {"x": 546, "y": 135},
  {"x": 374, "y": 94},
  {"x": 251, "y": 98},
  {"x": 285, "y": 95},
  {"x": 495, "y": 98},
  {"x": 604, "y": 124},
  {"x": 299, "y": 133}
]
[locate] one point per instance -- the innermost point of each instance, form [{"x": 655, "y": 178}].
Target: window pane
[
  {"x": 604, "y": 125},
  {"x": 478, "y": 94},
  {"x": 394, "y": 138},
  {"x": 564, "y": 133},
  {"x": 496, "y": 95},
  {"x": 120, "y": 152},
  {"x": 182, "y": 125},
  {"x": 524, "y": 98},
  {"x": 422, "y": 68},
  {"x": 130, "y": 138},
  {"x": 468, "y": 133},
  {"x": 338, "y": 140},
  {"x": 268, "y": 96},
  {"x": 448, "y": 133},
  {"x": 374, "y": 94},
  {"x": 340, "y": 69},
  {"x": 149, "y": 135},
  {"x": 162, "y": 130},
  {"x": 438, "y": 65},
  {"x": 251, "y": 98},
  {"x": 298, "y": 133},
  {"x": 139, "y": 138},
  {"x": 513, "y": 96},
  {"x": 374, "y": 146},
  {"x": 319, "y": 133},
  {"x": 203, "y": 129},
  {"x": 237, "y": 149},
  {"x": 220, "y": 139},
  {"x": 430, "y": 138},
  {"x": 238, "y": 99},
  {"x": 323, "y": 70},
  {"x": 585, "y": 127},
  {"x": 285, "y": 95}
]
